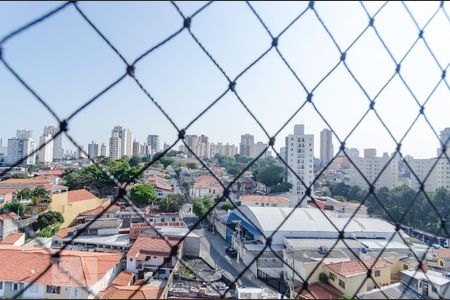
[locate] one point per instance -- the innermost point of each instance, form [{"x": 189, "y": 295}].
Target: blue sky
[{"x": 67, "y": 63}]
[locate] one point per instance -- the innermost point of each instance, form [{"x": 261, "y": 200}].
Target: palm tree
[{"x": 39, "y": 195}]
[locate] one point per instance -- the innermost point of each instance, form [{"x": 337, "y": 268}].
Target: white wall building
[
  {"x": 58, "y": 151},
  {"x": 370, "y": 165},
  {"x": 115, "y": 146},
  {"x": 103, "y": 150},
  {"x": 46, "y": 152},
  {"x": 19, "y": 148},
  {"x": 300, "y": 157}
]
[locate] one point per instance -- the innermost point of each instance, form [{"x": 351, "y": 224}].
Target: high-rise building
[
  {"x": 326, "y": 147},
  {"x": 20, "y": 148},
  {"x": 103, "y": 150},
  {"x": 247, "y": 145},
  {"x": 260, "y": 147},
  {"x": 24, "y": 134},
  {"x": 115, "y": 146},
  {"x": 445, "y": 136},
  {"x": 127, "y": 142},
  {"x": 137, "y": 148},
  {"x": 300, "y": 158},
  {"x": 153, "y": 142},
  {"x": 371, "y": 166},
  {"x": 46, "y": 152},
  {"x": 202, "y": 149},
  {"x": 58, "y": 151},
  {"x": 191, "y": 142},
  {"x": 93, "y": 150}
]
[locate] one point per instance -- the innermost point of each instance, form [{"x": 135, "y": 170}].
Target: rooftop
[
  {"x": 151, "y": 245},
  {"x": 117, "y": 240},
  {"x": 79, "y": 195},
  {"x": 394, "y": 291},
  {"x": 319, "y": 290},
  {"x": 102, "y": 223},
  {"x": 12, "y": 238},
  {"x": 8, "y": 216},
  {"x": 27, "y": 264},
  {"x": 123, "y": 279},
  {"x": 264, "y": 198},
  {"x": 125, "y": 292},
  {"x": 356, "y": 267},
  {"x": 442, "y": 253}
]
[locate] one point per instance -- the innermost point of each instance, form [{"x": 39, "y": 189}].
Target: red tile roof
[
  {"x": 123, "y": 279},
  {"x": 7, "y": 191},
  {"x": 319, "y": 290},
  {"x": 24, "y": 181},
  {"x": 148, "y": 245},
  {"x": 125, "y": 292},
  {"x": 442, "y": 253},
  {"x": 12, "y": 238},
  {"x": 76, "y": 268},
  {"x": 8, "y": 216},
  {"x": 79, "y": 195},
  {"x": 65, "y": 232},
  {"x": 355, "y": 267},
  {"x": 264, "y": 198}
]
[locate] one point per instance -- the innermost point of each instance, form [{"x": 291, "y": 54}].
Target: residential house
[
  {"x": 70, "y": 204},
  {"x": 8, "y": 224},
  {"x": 443, "y": 257},
  {"x": 77, "y": 275},
  {"x": 6, "y": 195},
  {"x": 14, "y": 239},
  {"x": 150, "y": 253},
  {"x": 102, "y": 235},
  {"x": 206, "y": 185},
  {"x": 162, "y": 187},
  {"x": 349, "y": 277},
  {"x": 317, "y": 290}
]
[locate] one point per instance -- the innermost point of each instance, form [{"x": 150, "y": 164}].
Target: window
[
  {"x": 1, "y": 285},
  {"x": 332, "y": 276},
  {"x": 341, "y": 284},
  {"x": 15, "y": 287},
  {"x": 377, "y": 273},
  {"x": 51, "y": 289}
]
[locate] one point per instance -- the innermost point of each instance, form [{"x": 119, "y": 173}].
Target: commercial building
[
  {"x": 300, "y": 158},
  {"x": 103, "y": 150},
  {"x": 263, "y": 200}
]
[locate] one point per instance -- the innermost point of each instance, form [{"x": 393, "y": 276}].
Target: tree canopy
[
  {"x": 15, "y": 207},
  {"x": 200, "y": 206},
  {"x": 93, "y": 178},
  {"x": 46, "y": 219},
  {"x": 171, "y": 203},
  {"x": 143, "y": 194}
]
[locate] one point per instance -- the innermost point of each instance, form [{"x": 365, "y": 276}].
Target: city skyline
[{"x": 269, "y": 89}]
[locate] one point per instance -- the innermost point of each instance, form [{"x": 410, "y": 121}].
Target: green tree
[
  {"x": 200, "y": 206},
  {"x": 165, "y": 161},
  {"x": 46, "y": 219},
  {"x": 23, "y": 194},
  {"x": 192, "y": 165},
  {"x": 15, "y": 207},
  {"x": 48, "y": 231},
  {"x": 143, "y": 194},
  {"x": 171, "y": 203},
  {"x": 227, "y": 205},
  {"x": 281, "y": 187},
  {"x": 20, "y": 176},
  {"x": 269, "y": 175},
  {"x": 134, "y": 161}
]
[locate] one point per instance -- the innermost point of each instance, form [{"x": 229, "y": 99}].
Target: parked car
[{"x": 231, "y": 252}]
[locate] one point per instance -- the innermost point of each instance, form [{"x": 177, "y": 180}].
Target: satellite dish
[{"x": 363, "y": 250}]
